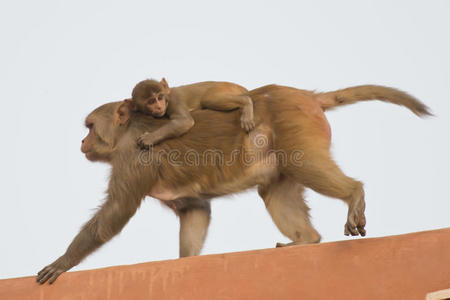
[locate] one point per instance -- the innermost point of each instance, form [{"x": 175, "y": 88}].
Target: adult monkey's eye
[{"x": 160, "y": 96}]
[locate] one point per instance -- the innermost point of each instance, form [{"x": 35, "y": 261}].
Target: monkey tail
[{"x": 330, "y": 100}]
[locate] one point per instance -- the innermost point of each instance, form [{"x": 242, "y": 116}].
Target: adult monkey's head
[
  {"x": 151, "y": 97},
  {"x": 106, "y": 126}
]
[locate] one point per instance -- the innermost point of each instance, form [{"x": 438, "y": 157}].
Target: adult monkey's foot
[
  {"x": 279, "y": 245},
  {"x": 356, "y": 220}
]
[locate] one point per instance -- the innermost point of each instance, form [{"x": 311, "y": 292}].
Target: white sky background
[{"x": 60, "y": 59}]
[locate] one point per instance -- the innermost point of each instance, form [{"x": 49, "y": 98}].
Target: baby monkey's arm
[
  {"x": 224, "y": 101},
  {"x": 180, "y": 123}
]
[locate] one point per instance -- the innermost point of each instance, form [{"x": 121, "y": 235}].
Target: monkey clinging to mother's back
[{"x": 155, "y": 98}]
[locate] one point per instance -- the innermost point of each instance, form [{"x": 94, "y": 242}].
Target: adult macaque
[
  {"x": 287, "y": 121},
  {"x": 157, "y": 99}
]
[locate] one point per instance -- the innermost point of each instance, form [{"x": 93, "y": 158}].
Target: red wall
[{"x": 396, "y": 267}]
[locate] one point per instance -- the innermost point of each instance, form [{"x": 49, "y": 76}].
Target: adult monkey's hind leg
[
  {"x": 283, "y": 198},
  {"x": 194, "y": 223},
  {"x": 320, "y": 173}
]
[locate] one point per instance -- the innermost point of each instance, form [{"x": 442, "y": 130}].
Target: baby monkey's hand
[{"x": 146, "y": 140}]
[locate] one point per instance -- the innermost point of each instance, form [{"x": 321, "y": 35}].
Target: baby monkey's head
[{"x": 151, "y": 97}]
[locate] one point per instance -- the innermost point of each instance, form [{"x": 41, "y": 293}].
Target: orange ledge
[{"x": 396, "y": 267}]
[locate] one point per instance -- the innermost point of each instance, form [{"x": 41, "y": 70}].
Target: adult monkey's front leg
[{"x": 108, "y": 221}]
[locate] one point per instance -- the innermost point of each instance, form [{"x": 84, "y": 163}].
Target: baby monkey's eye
[
  {"x": 151, "y": 100},
  {"x": 160, "y": 96}
]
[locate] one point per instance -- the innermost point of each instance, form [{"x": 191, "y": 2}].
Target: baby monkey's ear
[{"x": 165, "y": 85}]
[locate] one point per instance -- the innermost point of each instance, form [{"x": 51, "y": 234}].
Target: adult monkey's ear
[
  {"x": 165, "y": 85},
  {"x": 131, "y": 104},
  {"x": 123, "y": 112}
]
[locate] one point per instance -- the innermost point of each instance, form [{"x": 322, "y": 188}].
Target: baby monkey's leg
[{"x": 227, "y": 101}]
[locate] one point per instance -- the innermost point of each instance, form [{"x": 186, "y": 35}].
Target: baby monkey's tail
[{"x": 330, "y": 100}]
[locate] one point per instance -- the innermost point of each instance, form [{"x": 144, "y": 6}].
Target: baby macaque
[{"x": 157, "y": 99}]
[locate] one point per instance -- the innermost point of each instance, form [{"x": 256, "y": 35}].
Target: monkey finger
[
  {"x": 54, "y": 276},
  {"x": 42, "y": 273},
  {"x": 142, "y": 137},
  {"x": 361, "y": 230},
  {"x": 350, "y": 228},
  {"x": 142, "y": 145},
  {"x": 47, "y": 275},
  {"x": 245, "y": 125},
  {"x": 346, "y": 232}
]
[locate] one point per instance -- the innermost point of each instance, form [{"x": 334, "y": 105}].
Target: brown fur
[
  {"x": 157, "y": 99},
  {"x": 352, "y": 95},
  {"x": 288, "y": 121}
]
